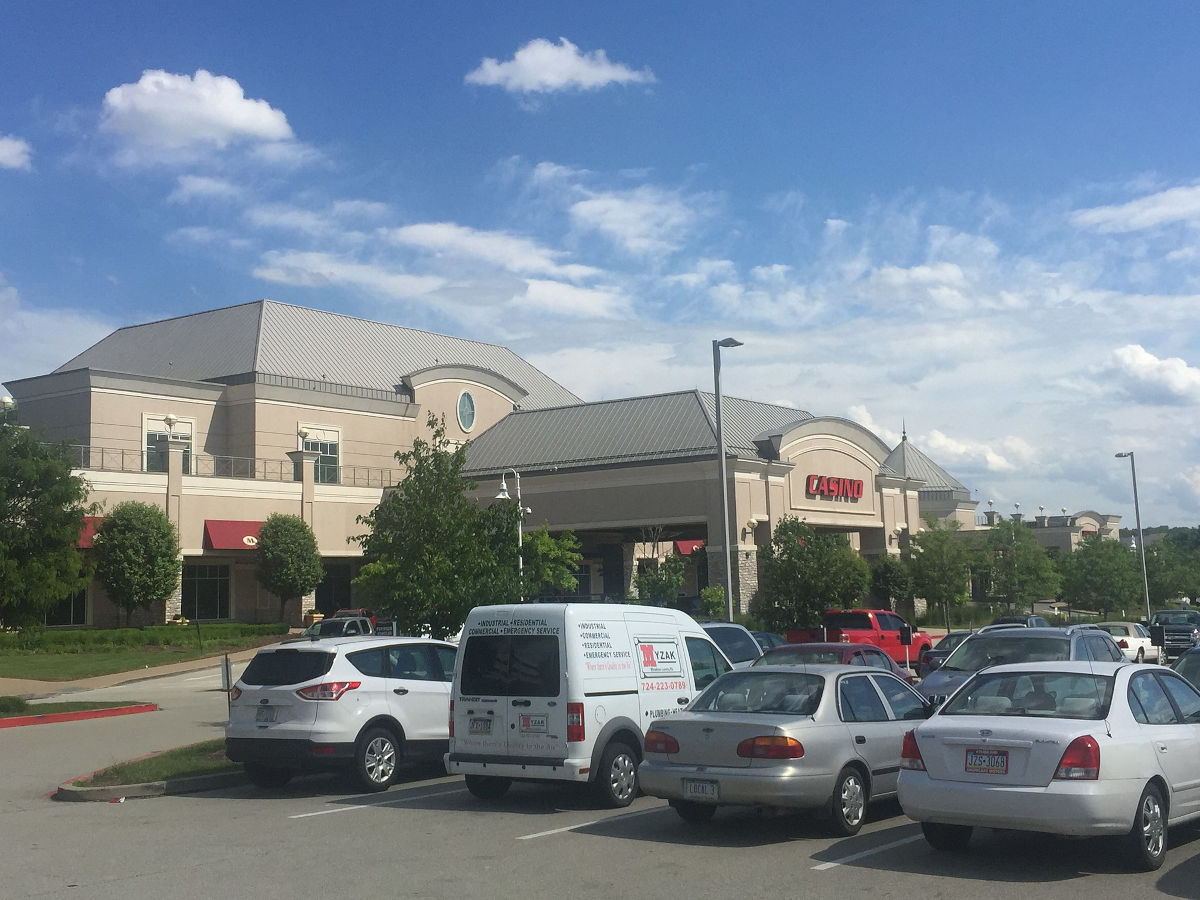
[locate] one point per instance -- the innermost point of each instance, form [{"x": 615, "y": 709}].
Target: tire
[
  {"x": 947, "y": 838},
  {"x": 848, "y": 804},
  {"x": 616, "y": 779},
  {"x": 485, "y": 787},
  {"x": 695, "y": 813},
  {"x": 376, "y": 758},
  {"x": 267, "y": 776},
  {"x": 1141, "y": 655},
  {"x": 1146, "y": 843}
]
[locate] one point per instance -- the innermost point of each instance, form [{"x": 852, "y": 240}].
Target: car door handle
[
  {"x": 400, "y": 691},
  {"x": 1162, "y": 748},
  {"x": 860, "y": 739},
  {"x": 522, "y": 703},
  {"x": 682, "y": 701}
]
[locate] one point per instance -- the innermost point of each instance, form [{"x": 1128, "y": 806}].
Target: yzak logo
[
  {"x": 648, "y": 660},
  {"x": 659, "y": 658}
]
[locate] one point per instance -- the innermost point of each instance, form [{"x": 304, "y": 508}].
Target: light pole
[
  {"x": 717, "y": 345},
  {"x": 521, "y": 512},
  {"x": 1137, "y": 512}
]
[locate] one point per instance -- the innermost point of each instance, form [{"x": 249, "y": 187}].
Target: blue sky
[{"x": 978, "y": 220}]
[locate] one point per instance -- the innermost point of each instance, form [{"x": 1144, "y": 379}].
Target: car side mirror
[
  {"x": 930, "y": 708},
  {"x": 934, "y": 664}
]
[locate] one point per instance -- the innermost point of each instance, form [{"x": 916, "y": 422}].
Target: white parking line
[
  {"x": 641, "y": 812},
  {"x": 854, "y": 856},
  {"x": 389, "y": 802}
]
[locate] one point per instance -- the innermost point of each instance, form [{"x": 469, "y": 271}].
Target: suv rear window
[
  {"x": 519, "y": 665},
  {"x": 280, "y": 667},
  {"x": 737, "y": 645}
]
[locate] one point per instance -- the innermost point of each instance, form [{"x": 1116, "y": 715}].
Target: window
[
  {"x": 905, "y": 703},
  {"x": 287, "y": 666},
  {"x": 466, "y": 411},
  {"x": 71, "y": 611},
  {"x": 327, "y": 460},
  {"x": 1149, "y": 701},
  {"x": 446, "y": 657},
  {"x": 413, "y": 661},
  {"x": 205, "y": 592},
  {"x": 859, "y": 700},
  {"x": 369, "y": 662},
  {"x": 1102, "y": 650},
  {"x": 878, "y": 659},
  {"x": 1187, "y": 701},
  {"x": 156, "y": 459},
  {"x": 706, "y": 665},
  {"x": 519, "y": 665}
]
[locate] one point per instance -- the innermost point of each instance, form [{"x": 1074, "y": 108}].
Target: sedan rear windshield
[
  {"x": 1048, "y": 695},
  {"x": 793, "y": 656},
  {"x": 745, "y": 690},
  {"x": 279, "y": 667},
  {"x": 1001, "y": 647}
]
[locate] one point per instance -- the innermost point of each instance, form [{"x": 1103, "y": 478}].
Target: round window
[{"x": 466, "y": 411}]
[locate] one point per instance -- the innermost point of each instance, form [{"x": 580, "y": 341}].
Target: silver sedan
[{"x": 823, "y": 738}]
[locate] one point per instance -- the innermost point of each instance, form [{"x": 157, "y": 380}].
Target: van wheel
[
  {"x": 485, "y": 787},
  {"x": 375, "y": 759},
  {"x": 696, "y": 813},
  {"x": 1146, "y": 843},
  {"x": 267, "y": 776},
  {"x": 616, "y": 781},
  {"x": 849, "y": 803},
  {"x": 950, "y": 838}
]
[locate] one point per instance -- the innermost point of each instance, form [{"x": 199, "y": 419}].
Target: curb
[
  {"x": 77, "y": 715},
  {"x": 119, "y": 793}
]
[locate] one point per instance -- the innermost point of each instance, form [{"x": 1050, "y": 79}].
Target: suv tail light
[
  {"x": 330, "y": 690},
  {"x": 1081, "y": 761},
  {"x": 661, "y": 742},
  {"x": 235, "y": 692},
  {"x": 770, "y": 747},
  {"x": 910, "y": 753},
  {"x": 575, "y": 729}
]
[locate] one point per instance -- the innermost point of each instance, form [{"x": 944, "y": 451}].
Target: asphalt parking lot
[{"x": 427, "y": 837}]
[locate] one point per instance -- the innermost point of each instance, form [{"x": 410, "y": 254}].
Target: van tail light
[
  {"x": 235, "y": 692},
  {"x": 1081, "y": 761},
  {"x": 451, "y": 717},
  {"x": 910, "y": 753},
  {"x": 770, "y": 747},
  {"x": 330, "y": 690},
  {"x": 1123, "y": 644},
  {"x": 575, "y": 730},
  {"x": 661, "y": 742}
]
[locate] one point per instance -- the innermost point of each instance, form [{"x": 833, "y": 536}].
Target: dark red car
[{"x": 833, "y": 654}]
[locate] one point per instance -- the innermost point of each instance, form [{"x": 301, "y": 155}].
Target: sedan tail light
[
  {"x": 330, "y": 690},
  {"x": 235, "y": 692},
  {"x": 910, "y": 753},
  {"x": 661, "y": 742},
  {"x": 1081, "y": 761},
  {"x": 1123, "y": 644},
  {"x": 770, "y": 747}
]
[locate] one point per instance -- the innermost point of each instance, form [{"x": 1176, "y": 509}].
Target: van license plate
[
  {"x": 987, "y": 762},
  {"x": 694, "y": 789},
  {"x": 264, "y": 714},
  {"x": 481, "y": 725}
]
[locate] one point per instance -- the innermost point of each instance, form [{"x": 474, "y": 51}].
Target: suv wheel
[
  {"x": 616, "y": 780},
  {"x": 375, "y": 759},
  {"x": 267, "y": 776}
]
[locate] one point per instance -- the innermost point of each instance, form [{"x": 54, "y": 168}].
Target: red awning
[
  {"x": 90, "y": 524},
  {"x": 230, "y": 534},
  {"x": 686, "y": 548}
]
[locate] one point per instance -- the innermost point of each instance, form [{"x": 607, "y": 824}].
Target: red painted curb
[{"x": 15, "y": 721}]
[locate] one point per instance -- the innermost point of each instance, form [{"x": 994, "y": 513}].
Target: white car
[
  {"x": 358, "y": 703},
  {"x": 1071, "y": 748},
  {"x": 1134, "y": 640}
]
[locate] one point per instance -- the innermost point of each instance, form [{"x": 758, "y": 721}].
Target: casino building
[{"x": 225, "y": 416}]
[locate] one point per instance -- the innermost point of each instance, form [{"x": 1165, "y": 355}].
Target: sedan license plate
[
  {"x": 264, "y": 714},
  {"x": 695, "y": 789},
  {"x": 987, "y": 762},
  {"x": 481, "y": 725}
]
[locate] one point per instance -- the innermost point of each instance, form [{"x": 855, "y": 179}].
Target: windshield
[
  {"x": 287, "y": 666},
  {"x": 736, "y": 644},
  {"x": 793, "y": 656},
  {"x": 1175, "y": 617},
  {"x": 1006, "y": 647},
  {"x": 1049, "y": 695},
  {"x": 796, "y": 694}
]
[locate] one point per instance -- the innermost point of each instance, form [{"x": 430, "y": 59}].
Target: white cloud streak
[
  {"x": 1178, "y": 204},
  {"x": 15, "y": 153},
  {"x": 542, "y": 67}
]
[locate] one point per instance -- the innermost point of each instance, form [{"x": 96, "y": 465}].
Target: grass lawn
[
  {"x": 71, "y": 666},
  {"x": 205, "y": 758}
]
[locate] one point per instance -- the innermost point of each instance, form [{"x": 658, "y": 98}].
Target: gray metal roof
[
  {"x": 909, "y": 462},
  {"x": 635, "y": 429},
  {"x": 271, "y": 338}
]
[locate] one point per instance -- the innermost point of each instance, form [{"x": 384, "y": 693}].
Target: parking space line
[
  {"x": 389, "y": 802},
  {"x": 855, "y": 856},
  {"x": 640, "y": 812}
]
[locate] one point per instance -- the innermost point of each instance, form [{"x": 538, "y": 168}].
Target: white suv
[{"x": 358, "y": 703}]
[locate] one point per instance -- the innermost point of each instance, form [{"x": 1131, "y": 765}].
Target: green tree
[
  {"x": 660, "y": 584},
  {"x": 550, "y": 563},
  {"x": 431, "y": 553},
  {"x": 890, "y": 579},
  {"x": 1171, "y": 571},
  {"x": 289, "y": 563},
  {"x": 1018, "y": 568},
  {"x": 1102, "y": 575},
  {"x": 940, "y": 565},
  {"x": 801, "y": 572},
  {"x": 137, "y": 556},
  {"x": 42, "y": 506}
]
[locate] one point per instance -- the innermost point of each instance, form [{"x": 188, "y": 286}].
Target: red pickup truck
[{"x": 866, "y": 626}]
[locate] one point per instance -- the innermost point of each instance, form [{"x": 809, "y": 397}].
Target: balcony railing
[{"x": 107, "y": 459}]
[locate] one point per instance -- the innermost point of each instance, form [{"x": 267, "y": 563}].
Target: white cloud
[
  {"x": 645, "y": 220},
  {"x": 949, "y": 452},
  {"x": 15, "y": 153},
  {"x": 314, "y": 269},
  {"x": 37, "y": 341},
  {"x": 167, "y": 112},
  {"x": 570, "y": 300},
  {"x": 201, "y": 187},
  {"x": 510, "y": 252},
  {"x": 288, "y": 218},
  {"x": 1150, "y": 379},
  {"x": 1179, "y": 204},
  {"x": 543, "y": 67}
]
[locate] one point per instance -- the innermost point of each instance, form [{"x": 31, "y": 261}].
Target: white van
[{"x": 565, "y": 692}]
